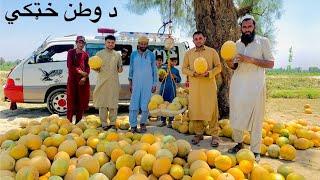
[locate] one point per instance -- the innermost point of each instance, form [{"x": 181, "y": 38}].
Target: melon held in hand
[
  {"x": 200, "y": 65},
  {"x": 95, "y": 62},
  {"x": 228, "y": 50}
]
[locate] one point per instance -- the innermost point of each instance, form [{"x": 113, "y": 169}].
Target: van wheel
[{"x": 57, "y": 102}]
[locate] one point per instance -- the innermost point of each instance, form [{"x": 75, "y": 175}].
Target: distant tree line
[{"x": 6, "y": 65}]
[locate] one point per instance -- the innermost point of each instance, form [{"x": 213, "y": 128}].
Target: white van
[{"x": 42, "y": 78}]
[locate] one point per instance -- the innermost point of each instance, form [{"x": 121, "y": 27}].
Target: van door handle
[{"x": 18, "y": 79}]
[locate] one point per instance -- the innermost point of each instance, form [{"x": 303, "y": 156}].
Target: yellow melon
[
  {"x": 259, "y": 173},
  {"x": 139, "y": 170},
  {"x": 51, "y": 152},
  {"x": 301, "y": 143},
  {"x": 37, "y": 152},
  {"x": 274, "y": 151},
  {"x": 101, "y": 157},
  {"x": 184, "y": 148},
  {"x": 116, "y": 153},
  {"x": 18, "y": 151},
  {"x": 53, "y": 128},
  {"x": 154, "y": 148},
  {"x": 63, "y": 131},
  {"x": 201, "y": 174},
  {"x": 211, "y": 155},
  {"x": 267, "y": 166},
  {"x": 148, "y": 138},
  {"x": 147, "y": 162},
  {"x": 62, "y": 155},
  {"x": 198, "y": 164},
  {"x": 186, "y": 177},
  {"x": 246, "y": 139},
  {"x": 93, "y": 141},
  {"x": 295, "y": 176},
  {"x": 80, "y": 141},
  {"x": 152, "y": 105},
  {"x": 42, "y": 164},
  {"x": 13, "y": 134},
  {"x": 84, "y": 150},
  {"x": 138, "y": 156},
  {"x": 196, "y": 155},
  {"x": 161, "y": 166},
  {"x": 215, "y": 173},
  {"x": 179, "y": 161},
  {"x": 112, "y": 136},
  {"x": 7, "y": 162},
  {"x": 176, "y": 171},
  {"x": 95, "y": 62},
  {"x": 27, "y": 173},
  {"x": 109, "y": 169},
  {"x": 158, "y": 99},
  {"x": 225, "y": 176},
  {"x": 57, "y": 139},
  {"x": 281, "y": 141},
  {"x": 223, "y": 162},
  {"x": 200, "y": 65},
  {"x": 245, "y": 154},
  {"x": 288, "y": 152},
  {"x": 80, "y": 173},
  {"x": 268, "y": 141},
  {"x": 246, "y": 166},
  {"x": 308, "y": 111},
  {"x": 228, "y": 50},
  {"x": 59, "y": 167},
  {"x": 172, "y": 147},
  {"x": 90, "y": 163},
  {"x": 165, "y": 177},
  {"x": 276, "y": 176},
  {"x": 21, "y": 163},
  {"x": 125, "y": 160},
  {"x": 236, "y": 173},
  {"x": 123, "y": 173},
  {"x": 285, "y": 170},
  {"x": 227, "y": 131},
  {"x": 138, "y": 176},
  {"x": 68, "y": 146}
]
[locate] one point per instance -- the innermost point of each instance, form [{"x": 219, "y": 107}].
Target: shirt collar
[{"x": 200, "y": 49}]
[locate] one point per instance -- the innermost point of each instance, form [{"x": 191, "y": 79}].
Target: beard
[
  {"x": 247, "y": 38},
  {"x": 142, "y": 49}
]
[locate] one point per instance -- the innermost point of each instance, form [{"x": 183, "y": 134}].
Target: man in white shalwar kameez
[{"x": 248, "y": 86}]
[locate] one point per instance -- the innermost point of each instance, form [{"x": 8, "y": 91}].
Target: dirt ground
[{"x": 306, "y": 163}]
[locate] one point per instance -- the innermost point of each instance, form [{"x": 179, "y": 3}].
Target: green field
[{"x": 301, "y": 86}]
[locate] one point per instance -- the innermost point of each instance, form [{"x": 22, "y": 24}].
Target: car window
[
  {"x": 124, "y": 49},
  {"x": 54, "y": 53},
  {"x": 159, "y": 50}
]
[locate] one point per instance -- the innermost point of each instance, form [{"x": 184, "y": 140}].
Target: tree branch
[{"x": 244, "y": 10}]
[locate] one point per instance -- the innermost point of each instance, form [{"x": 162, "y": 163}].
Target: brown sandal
[
  {"x": 196, "y": 139},
  {"x": 214, "y": 141}
]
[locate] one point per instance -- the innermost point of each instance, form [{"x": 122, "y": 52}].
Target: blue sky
[{"x": 299, "y": 26}]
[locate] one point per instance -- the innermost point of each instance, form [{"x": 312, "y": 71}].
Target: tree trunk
[{"x": 218, "y": 20}]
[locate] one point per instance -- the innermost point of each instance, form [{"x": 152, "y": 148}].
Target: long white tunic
[{"x": 248, "y": 86}]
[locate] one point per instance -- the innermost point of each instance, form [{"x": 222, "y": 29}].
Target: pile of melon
[
  {"x": 56, "y": 149},
  {"x": 179, "y": 102},
  {"x": 279, "y": 140}
]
